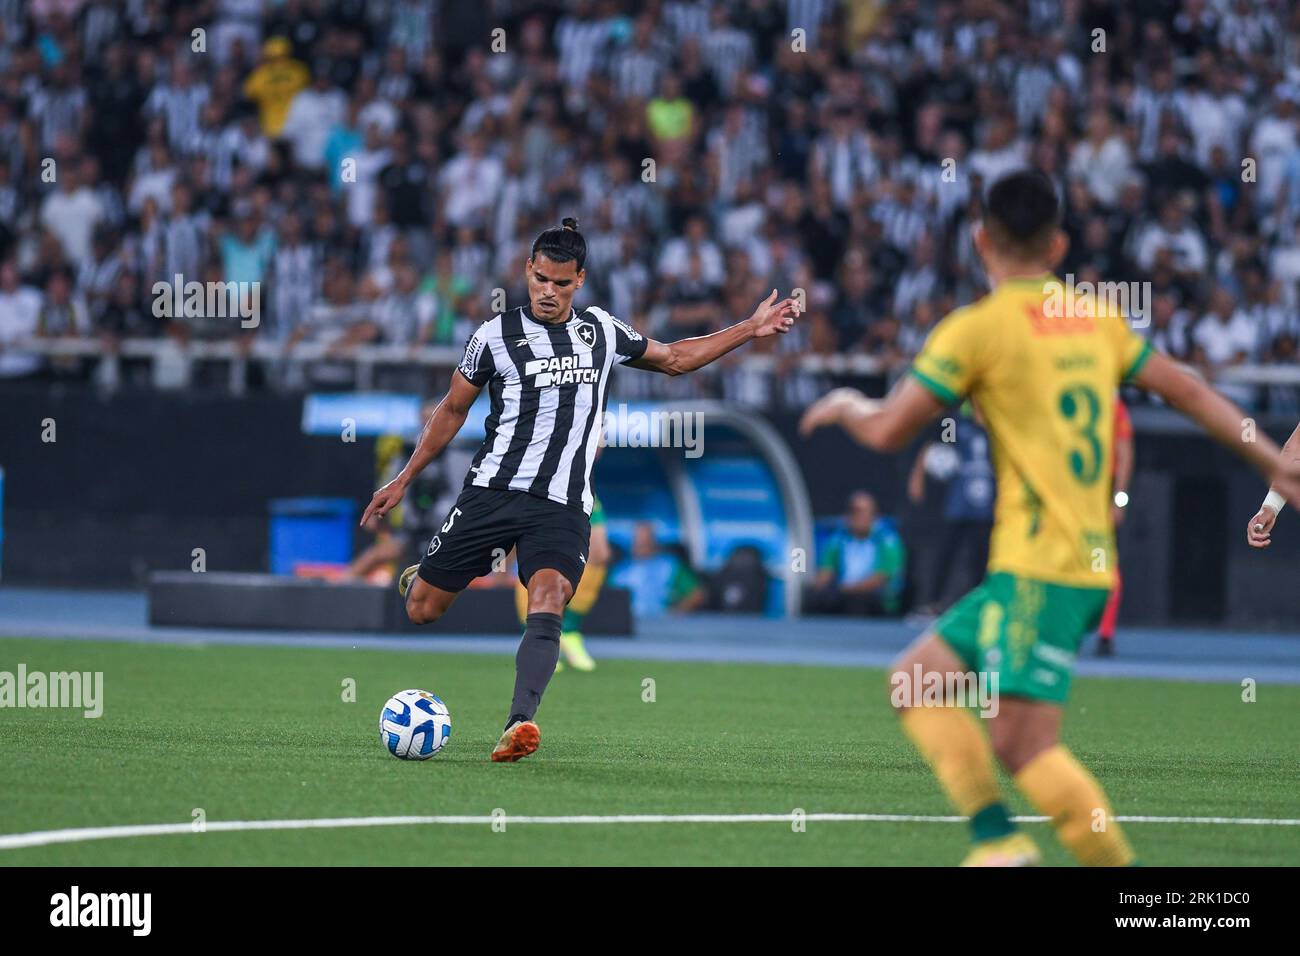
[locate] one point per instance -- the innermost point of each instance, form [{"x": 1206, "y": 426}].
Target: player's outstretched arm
[
  {"x": 686, "y": 355},
  {"x": 884, "y": 425},
  {"x": 1221, "y": 419},
  {"x": 440, "y": 429},
  {"x": 1260, "y": 528}
]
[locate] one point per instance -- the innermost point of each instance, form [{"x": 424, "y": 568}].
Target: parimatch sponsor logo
[
  {"x": 74, "y": 908},
  {"x": 561, "y": 370}
]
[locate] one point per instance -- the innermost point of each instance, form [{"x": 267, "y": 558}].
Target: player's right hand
[
  {"x": 384, "y": 500},
  {"x": 828, "y": 409},
  {"x": 1259, "y": 530}
]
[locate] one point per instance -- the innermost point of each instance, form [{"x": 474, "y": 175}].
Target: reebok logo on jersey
[{"x": 560, "y": 370}]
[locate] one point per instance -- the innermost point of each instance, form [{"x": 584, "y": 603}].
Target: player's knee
[
  {"x": 422, "y": 611},
  {"x": 1013, "y": 748},
  {"x": 548, "y": 594},
  {"x": 1005, "y": 749}
]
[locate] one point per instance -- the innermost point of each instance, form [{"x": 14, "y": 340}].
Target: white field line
[{"x": 16, "y": 841}]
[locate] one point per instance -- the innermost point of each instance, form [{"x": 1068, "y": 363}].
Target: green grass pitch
[{"x": 248, "y": 733}]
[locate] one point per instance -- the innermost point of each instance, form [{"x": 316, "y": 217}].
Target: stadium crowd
[{"x": 379, "y": 167}]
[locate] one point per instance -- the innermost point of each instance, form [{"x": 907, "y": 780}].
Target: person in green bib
[{"x": 863, "y": 566}]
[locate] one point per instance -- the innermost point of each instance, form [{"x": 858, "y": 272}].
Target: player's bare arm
[
  {"x": 1260, "y": 528},
  {"x": 438, "y": 431},
  {"x": 1221, "y": 419},
  {"x": 686, "y": 355},
  {"x": 916, "y": 477},
  {"x": 1125, "y": 461},
  {"x": 886, "y": 425}
]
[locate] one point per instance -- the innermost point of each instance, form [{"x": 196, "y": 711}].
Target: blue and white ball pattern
[{"x": 414, "y": 725}]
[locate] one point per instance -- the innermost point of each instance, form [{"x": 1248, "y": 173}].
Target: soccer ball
[{"x": 414, "y": 725}]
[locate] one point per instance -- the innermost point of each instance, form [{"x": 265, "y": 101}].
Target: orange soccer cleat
[{"x": 519, "y": 740}]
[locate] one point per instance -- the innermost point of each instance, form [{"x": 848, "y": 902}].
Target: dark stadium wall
[{"x": 135, "y": 482}]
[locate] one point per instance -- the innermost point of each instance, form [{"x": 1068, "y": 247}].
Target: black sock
[{"x": 535, "y": 663}]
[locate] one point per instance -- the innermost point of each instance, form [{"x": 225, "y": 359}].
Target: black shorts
[{"x": 486, "y": 523}]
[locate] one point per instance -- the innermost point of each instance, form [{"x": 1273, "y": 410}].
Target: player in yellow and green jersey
[{"x": 1042, "y": 365}]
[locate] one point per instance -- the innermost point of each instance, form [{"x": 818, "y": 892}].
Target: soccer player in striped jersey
[
  {"x": 1043, "y": 366},
  {"x": 547, "y": 369}
]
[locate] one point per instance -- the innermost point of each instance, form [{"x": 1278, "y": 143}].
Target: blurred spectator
[
  {"x": 693, "y": 250},
  {"x": 1102, "y": 159},
  {"x": 659, "y": 578},
  {"x": 246, "y": 251},
  {"x": 861, "y": 302},
  {"x": 470, "y": 182},
  {"x": 274, "y": 84},
  {"x": 312, "y": 115},
  {"x": 294, "y": 274},
  {"x": 178, "y": 101},
  {"x": 919, "y": 281},
  {"x": 122, "y": 314},
  {"x": 705, "y": 155},
  {"x": 1001, "y": 151},
  {"x": 99, "y": 273},
  {"x": 71, "y": 212},
  {"x": 1174, "y": 241},
  {"x": 671, "y": 115},
  {"x": 63, "y": 312},
  {"x": 862, "y": 568},
  {"x": 1169, "y": 328},
  {"x": 20, "y": 316},
  {"x": 1224, "y": 338}
]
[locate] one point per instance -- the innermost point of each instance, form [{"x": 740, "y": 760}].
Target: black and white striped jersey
[{"x": 548, "y": 383}]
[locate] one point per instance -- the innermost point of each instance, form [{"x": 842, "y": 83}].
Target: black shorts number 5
[
  {"x": 451, "y": 518},
  {"x": 548, "y": 535}
]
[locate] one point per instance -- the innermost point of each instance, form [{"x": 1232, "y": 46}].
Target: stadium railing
[
  {"x": 365, "y": 358},
  {"x": 174, "y": 359}
]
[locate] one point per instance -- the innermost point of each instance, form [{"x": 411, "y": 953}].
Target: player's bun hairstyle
[
  {"x": 562, "y": 244},
  {"x": 1022, "y": 213}
]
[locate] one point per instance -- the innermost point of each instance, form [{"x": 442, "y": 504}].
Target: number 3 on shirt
[{"x": 1081, "y": 408}]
